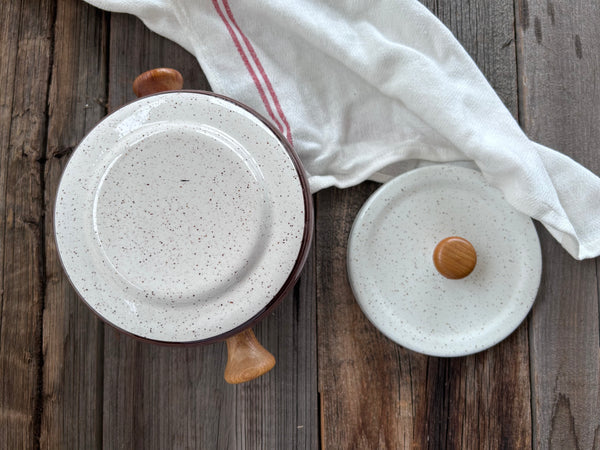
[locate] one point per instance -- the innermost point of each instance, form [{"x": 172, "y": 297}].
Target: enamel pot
[{"x": 184, "y": 217}]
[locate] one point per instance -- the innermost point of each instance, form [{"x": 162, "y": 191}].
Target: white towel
[{"x": 364, "y": 89}]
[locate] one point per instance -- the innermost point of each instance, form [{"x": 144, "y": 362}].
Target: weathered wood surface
[
  {"x": 25, "y": 52},
  {"x": 67, "y": 381},
  {"x": 73, "y": 336},
  {"x": 559, "y": 84}
]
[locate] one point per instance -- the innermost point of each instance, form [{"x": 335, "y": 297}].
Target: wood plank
[
  {"x": 280, "y": 410},
  {"x": 365, "y": 380},
  {"x": 25, "y": 46},
  {"x": 73, "y": 336},
  {"x": 559, "y": 62},
  {"x": 162, "y": 397},
  {"x": 377, "y": 394}
]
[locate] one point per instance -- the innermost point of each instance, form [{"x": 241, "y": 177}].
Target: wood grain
[
  {"x": 157, "y": 80},
  {"x": 25, "y": 47},
  {"x": 559, "y": 63},
  {"x": 366, "y": 382},
  {"x": 73, "y": 336},
  {"x": 280, "y": 410},
  {"x": 67, "y": 381},
  {"x": 454, "y": 257},
  {"x": 161, "y": 397},
  {"x": 376, "y": 394}
]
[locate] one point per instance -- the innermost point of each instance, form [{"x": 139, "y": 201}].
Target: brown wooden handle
[
  {"x": 246, "y": 358},
  {"x": 157, "y": 80},
  {"x": 454, "y": 257}
]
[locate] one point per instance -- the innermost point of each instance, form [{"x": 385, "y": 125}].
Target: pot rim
[{"x": 301, "y": 258}]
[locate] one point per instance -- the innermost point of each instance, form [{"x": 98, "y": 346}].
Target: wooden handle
[
  {"x": 454, "y": 257},
  {"x": 246, "y": 358},
  {"x": 157, "y": 80}
]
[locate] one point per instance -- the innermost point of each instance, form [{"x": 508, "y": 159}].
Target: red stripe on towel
[
  {"x": 288, "y": 131},
  {"x": 284, "y": 129}
]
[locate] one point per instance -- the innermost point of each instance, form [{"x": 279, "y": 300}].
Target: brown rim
[{"x": 302, "y": 253}]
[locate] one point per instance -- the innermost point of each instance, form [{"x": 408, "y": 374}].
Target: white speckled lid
[
  {"x": 182, "y": 217},
  {"x": 391, "y": 270}
]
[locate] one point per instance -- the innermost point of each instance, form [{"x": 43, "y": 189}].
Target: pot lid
[
  {"x": 401, "y": 266},
  {"x": 182, "y": 217}
]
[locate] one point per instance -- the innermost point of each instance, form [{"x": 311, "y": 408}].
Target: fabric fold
[{"x": 365, "y": 91}]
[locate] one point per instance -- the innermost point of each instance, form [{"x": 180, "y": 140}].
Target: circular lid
[
  {"x": 181, "y": 217},
  {"x": 465, "y": 305}
]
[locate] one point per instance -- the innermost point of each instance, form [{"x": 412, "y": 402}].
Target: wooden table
[{"x": 70, "y": 382}]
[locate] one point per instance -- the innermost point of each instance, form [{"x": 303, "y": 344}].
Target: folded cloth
[{"x": 367, "y": 90}]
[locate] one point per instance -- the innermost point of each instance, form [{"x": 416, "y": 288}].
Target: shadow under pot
[{"x": 184, "y": 217}]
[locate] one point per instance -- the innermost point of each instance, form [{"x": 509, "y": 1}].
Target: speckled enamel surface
[
  {"x": 179, "y": 217},
  {"x": 394, "y": 279}
]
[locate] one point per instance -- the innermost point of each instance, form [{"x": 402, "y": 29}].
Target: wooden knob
[
  {"x": 246, "y": 358},
  {"x": 157, "y": 80},
  {"x": 454, "y": 257}
]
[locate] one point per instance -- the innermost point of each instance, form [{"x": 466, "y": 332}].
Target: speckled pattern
[
  {"x": 179, "y": 217},
  {"x": 394, "y": 279}
]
